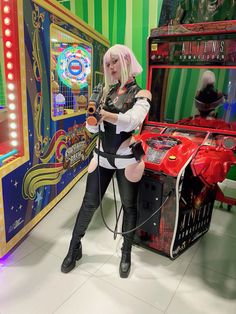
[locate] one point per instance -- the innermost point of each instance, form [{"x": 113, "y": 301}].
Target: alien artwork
[{"x": 196, "y": 11}]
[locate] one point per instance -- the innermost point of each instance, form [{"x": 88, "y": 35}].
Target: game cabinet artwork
[{"x": 51, "y": 62}]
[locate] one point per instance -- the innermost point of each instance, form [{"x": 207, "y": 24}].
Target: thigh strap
[{"x": 111, "y": 157}]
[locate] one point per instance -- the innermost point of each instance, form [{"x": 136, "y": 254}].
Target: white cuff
[{"x": 134, "y": 117}]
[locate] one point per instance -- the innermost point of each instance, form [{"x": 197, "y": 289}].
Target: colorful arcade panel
[{"x": 51, "y": 62}]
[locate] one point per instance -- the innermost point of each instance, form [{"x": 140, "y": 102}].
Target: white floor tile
[
  {"x": 201, "y": 280},
  {"x": 97, "y": 296},
  {"x": 24, "y": 248},
  {"x": 217, "y": 252},
  {"x": 203, "y": 291},
  {"x": 95, "y": 251},
  {"x": 153, "y": 278},
  {"x": 57, "y": 221},
  {"x": 73, "y": 199},
  {"x": 224, "y": 222},
  {"x": 98, "y": 243},
  {"x": 191, "y": 251},
  {"x": 36, "y": 285}
]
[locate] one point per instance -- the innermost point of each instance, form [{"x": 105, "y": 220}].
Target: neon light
[
  {"x": 6, "y": 9},
  {"x": 7, "y": 155},
  {"x": 12, "y": 116},
  {"x": 9, "y": 55},
  {"x": 11, "y": 96},
  {"x": 14, "y": 143},
  {"x": 9, "y": 66},
  {"x": 7, "y": 32},
  {"x": 10, "y": 76},
  {"x": 7, "y": 21},
  {"x": 8, "y": 44},
  {"x": 11, "y": 86}
]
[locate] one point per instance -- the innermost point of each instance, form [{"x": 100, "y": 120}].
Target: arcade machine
[
  {"x": 51, "y": 61},
  {"x": 184, "y": 159}
]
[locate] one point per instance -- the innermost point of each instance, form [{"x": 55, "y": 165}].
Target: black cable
[
  {"x": 100, "y": 193},
  {"x": 140, "y": 225},
  {"x": 115, "y": 232},
  {"x": 117, "y": 216},
  {"x": 117, "y": 221}
]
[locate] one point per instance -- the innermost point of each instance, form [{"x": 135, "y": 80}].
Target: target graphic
[{"x": 74, "y": 65}]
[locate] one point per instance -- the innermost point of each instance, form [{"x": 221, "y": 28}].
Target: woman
[{"x": 125, "y": 108}]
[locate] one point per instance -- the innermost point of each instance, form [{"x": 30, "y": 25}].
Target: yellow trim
[
  {"x": 72, "y": 19},
  {"x": 77, "y": 40},
  {"x": 9, "y": 245}
]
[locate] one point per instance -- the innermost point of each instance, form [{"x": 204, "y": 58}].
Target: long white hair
[{"x": 128, "y": 62}]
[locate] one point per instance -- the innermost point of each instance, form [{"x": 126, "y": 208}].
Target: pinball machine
[{"x": 186, "y": 156}]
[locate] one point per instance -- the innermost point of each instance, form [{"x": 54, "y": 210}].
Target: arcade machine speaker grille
[{"x": 149, "y": 200}]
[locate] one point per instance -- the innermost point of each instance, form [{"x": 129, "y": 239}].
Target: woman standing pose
[{"x": 125, "y": 108}]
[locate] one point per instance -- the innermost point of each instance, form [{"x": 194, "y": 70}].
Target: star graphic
[
  {"x": 38, "y": 197},
  {"x": 16, "y": 183}
]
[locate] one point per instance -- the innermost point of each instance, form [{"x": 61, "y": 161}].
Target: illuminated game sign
[
  {"x": 208, "y": 44},
  {"x": 198, "y": 52},
  {"x": 74, "y": 65}
]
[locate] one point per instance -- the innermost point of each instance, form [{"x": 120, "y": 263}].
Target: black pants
[{"x": 128, "y": 194}]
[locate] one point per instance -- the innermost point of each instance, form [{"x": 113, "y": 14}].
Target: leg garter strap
[{"x": 113, "y": 156}]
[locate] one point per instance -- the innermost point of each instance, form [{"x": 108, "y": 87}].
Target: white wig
[
  {"x": 129, "y": 65},
  {"x": 208, "y": 78}
]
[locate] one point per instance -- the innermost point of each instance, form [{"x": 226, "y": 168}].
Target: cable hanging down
[{"x": 115, "y": 232}]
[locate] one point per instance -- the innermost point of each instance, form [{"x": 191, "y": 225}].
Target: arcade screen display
[
  {"x": 158, "y": 147},
  {"x": 174, "y": 91},
  {"x": 70, "y": 73}
]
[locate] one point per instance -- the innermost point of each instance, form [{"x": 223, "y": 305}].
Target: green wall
[
  {"x": 122, "y": 21},
  {"x": 125, "y": 22}
]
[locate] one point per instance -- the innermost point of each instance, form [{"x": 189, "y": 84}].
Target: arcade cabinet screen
[
  {"x": 70, "y": 73},
  {"x": 158, "y": 147},
  {"x": 174, "y": 91}
]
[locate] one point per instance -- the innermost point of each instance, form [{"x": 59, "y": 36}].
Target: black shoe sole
[
  {"x": 124, "y": 274},
  {"x": 66, "y": 270}
]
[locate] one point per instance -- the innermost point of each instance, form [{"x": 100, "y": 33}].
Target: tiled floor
[{"x": 202, "y": 280}]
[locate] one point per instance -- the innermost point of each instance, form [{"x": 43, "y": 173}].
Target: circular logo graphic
[{"x": 74, "y": 65}]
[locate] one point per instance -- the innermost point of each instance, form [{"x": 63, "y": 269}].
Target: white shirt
[{"x": 126, "y": 122}]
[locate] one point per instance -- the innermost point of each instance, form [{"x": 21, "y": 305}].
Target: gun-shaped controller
[{"x": 94, "y": 105}]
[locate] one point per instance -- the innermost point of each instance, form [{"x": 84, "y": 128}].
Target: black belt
[{"x": 107, "y": 155}]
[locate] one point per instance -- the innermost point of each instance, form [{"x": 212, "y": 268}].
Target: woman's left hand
[{"x": 108, "y": 116}]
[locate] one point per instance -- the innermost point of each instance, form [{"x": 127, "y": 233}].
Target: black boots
[
  {"x": 125, "y": 264},
  {"x": 74, "y": 254}
]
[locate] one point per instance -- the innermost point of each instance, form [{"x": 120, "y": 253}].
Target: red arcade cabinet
[{"x": 186, "y": 155}]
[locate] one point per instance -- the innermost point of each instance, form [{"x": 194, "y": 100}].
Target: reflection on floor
[{"x": 202, "y": 280}]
